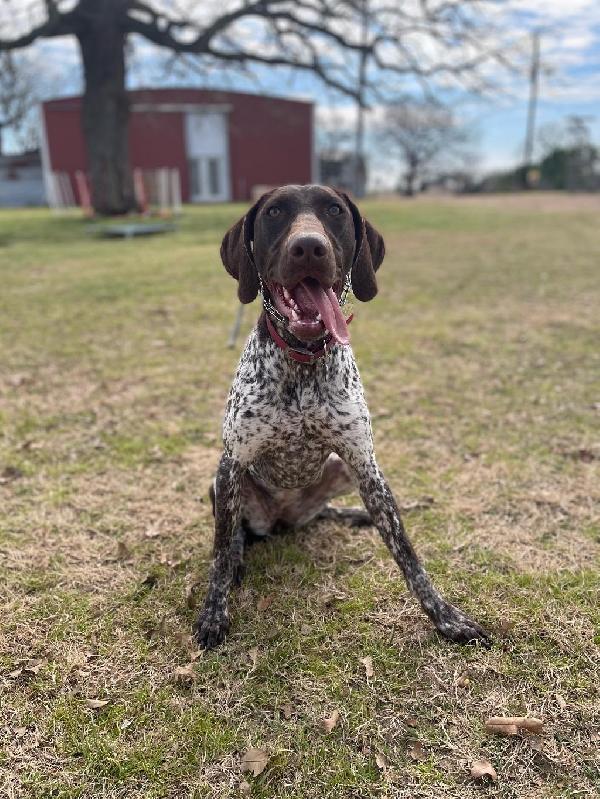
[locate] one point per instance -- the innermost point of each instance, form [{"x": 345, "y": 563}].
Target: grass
[{"x": 481, "y": 363}]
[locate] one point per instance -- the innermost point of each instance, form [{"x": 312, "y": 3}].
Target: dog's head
[{"x": 304, "y": 240}]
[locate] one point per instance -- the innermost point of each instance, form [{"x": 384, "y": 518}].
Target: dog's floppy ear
[
  {"x": 368, "y": 254},
  {"x": 237, "y": 256}
]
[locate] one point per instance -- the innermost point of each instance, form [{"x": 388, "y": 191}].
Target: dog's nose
[{"x": 307, "y": 248}]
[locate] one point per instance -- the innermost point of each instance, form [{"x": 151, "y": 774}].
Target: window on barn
[
  {"x": 214, "y": 184},
  {"x": 195, "y": 170}
]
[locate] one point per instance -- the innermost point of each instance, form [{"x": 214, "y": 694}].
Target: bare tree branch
[
  {"x": 420, "y": 133},
  {"x": 425, "y": 39},
  {"x": 18, "y": 96},
  {"x": 398, "y": 43},
  {"x": 56, "y": 24}
]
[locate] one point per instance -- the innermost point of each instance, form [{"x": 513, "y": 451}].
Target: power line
[
  {"x": 534, "y": 84},
  {"x": 360, "y": 103}
]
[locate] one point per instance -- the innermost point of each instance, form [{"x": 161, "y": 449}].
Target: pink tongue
[{"x": 328, "y": 306}]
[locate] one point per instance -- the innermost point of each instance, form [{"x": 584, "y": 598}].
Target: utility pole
[
  {"x": 534, "y": 83},
  {"x": 359, "y": 146}
]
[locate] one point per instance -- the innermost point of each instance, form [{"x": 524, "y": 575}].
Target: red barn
[{"x": 223, "y": 144}]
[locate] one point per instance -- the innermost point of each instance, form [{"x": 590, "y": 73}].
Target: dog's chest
[
  {"x": 298, "y": 443},
  {"x": 285, "y": 418}
]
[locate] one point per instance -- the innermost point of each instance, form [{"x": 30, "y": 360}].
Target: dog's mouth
[{"x": 311, "y": 309}]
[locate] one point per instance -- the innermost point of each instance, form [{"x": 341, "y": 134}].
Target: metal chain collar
[
  {"x": 272, "y": 310},
  {"x": 268, "y": 305}
]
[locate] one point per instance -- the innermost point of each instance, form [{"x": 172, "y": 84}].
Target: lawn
[{"x": 481, "y": 362}]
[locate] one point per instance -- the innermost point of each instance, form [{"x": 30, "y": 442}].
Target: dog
[{"x": 297, "y": 430}]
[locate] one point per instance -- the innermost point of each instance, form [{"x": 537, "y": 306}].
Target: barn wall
[
  {"x": 270, "y": 139},
  {"x": 270, "y": 144},
  {"x": 157, "y": 140},
  {"x": 66, "y": 147}
]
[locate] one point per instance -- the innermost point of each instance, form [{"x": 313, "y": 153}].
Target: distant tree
[
  {"x": 334, "y": 132},
  {"x": 18, "y": 98},
  {"x": 427, "y": 39},
  {"x": 425, "y": 136},
  {"x": 571, "y": 161}
]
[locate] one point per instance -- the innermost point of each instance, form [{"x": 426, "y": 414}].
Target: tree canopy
[{"x": 397, "y": 41}]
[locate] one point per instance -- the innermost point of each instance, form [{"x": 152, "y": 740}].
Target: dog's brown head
[{"x": 304, "y": 240}]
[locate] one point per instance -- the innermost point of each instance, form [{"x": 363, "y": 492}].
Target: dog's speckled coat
[{"x": 296, "y": 435}]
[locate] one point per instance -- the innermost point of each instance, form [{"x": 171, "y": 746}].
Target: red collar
[{"x": 302, "y": 356}]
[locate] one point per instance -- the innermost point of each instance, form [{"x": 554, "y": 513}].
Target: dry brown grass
[{"x": 480, "y": 360}]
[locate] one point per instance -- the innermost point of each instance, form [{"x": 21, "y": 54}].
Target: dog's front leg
[
  {"x": 381, "y": 505},
  {"x": 213, "y": 623}
]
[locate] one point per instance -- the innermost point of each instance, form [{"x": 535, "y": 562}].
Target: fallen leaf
[
  {"x": 30, "y": 444},
  {"x": 191, "y": 592},
  {"x": 505, "y": 626},
  {"x": 152, "y": 531},
  {"x": 253, "y": 655},
  {"x": 176, "y": 565},
  {"x": 561, "y": 701},
  {"x": 10, "y": 473},
  {"x": 96, "y": 704},
  {"x": 287, "y": 710},
  {"x": 184, "y": 674},
  {"x": 503, "y": 728},
  {"x": 447, "y": 764},
  {"x": 264, "y": 603},
  {"x": 161, "y": 628},
  {"x": 255, "y": 760},
  {"x": 18, "y": 380},
  {"x": 512, "y": 725},
  {"x": 480, "y": 769},
  {"x": 33, "y": 666},
  {"x": 183, "y": 638},
  {"x": 27, "y": 669},
  {"x": 536, "y": 742},
  {"x": 417, "y": 751},
  {"x": 412, "y": 722},
  {"x": 419, "y": 504},
  {"x": 584, "y": 454},
  {"x": 381, "y": 761},
  {"x": 149, "y": 581},
  {"x": 123, "y": 551},
  {"x": 329, "y": 724},
  {"x": 368, "y": 664}
]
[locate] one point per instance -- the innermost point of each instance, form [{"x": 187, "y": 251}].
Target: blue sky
[{"x": 570, "y": 82}]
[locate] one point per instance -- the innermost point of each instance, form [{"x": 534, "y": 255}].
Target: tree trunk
[
  {"x": 105, "y": 111},
  {"x": 409, "y": 182}
]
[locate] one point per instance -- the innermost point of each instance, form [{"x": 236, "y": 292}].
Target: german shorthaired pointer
[{"x": 297, "y": 430}]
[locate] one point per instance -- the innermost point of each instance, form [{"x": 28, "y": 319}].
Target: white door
[{"x": 208, "y": 156}]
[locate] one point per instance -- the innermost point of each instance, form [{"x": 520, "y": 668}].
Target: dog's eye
[
  {"x": 334, "y": 210},
  {"x": 274, "y": 210}
]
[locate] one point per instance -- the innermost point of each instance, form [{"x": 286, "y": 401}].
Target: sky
[{"x": 569, "y": 84}]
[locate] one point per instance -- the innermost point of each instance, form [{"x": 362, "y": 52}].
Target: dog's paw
[
  {"x": 455, "y": 625},
  {"x": 211, "y": 628}
]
